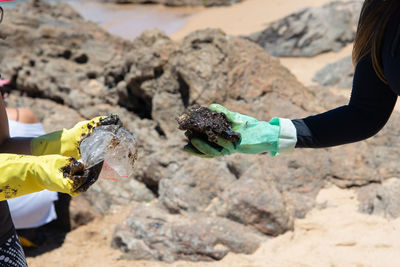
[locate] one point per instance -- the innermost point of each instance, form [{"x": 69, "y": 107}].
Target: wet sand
[
  {"x": 245, "y": 17},
  {"x": 128, "y": 21}
]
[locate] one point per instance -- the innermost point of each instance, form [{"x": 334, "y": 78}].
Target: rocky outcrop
[
  {"x": 254, "y": 202},
  {"x": 381, "y": 198},
  {"x": 338, "y": 74},
  {"x": 67, "y": 70},
  {"x": 153, "y": 234},
  {"x": 311, "y": 31}
]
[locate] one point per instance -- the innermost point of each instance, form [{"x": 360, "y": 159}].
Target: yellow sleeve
[{"x": 22, "y": 174}]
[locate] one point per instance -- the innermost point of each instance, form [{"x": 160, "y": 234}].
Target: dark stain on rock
[{"x": 81, "y": 59}]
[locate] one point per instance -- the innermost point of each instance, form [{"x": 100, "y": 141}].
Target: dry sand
[{"x": 332, "y": 234}]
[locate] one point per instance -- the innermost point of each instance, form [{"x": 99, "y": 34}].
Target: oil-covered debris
[
  {"x": 81, "y": 176},
  {"x": 74, "y": 168},
  {"x": 200, "y": 121},
  {"x": 92, "y": 174},
  {"x": 112, "y": 144}
]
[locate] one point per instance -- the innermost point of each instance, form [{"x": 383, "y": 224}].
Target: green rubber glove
[
  {"x": 66, "y": 142},
  {"x": 22, "y": 174},
  {"x": 256, "y": 137}
]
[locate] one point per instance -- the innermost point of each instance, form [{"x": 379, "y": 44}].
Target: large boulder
[
  {"x": 60, "y": 56},
  {"x": 311, "y": 31},
  {"x": 212, "y": 67},
  {"x": 257, "y": 203},
  {"x": 153, "y": 234},
  {"x": 195, "y": 185}
]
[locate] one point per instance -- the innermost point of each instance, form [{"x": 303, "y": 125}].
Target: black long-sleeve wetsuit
[{"x": 371, "y": 103}]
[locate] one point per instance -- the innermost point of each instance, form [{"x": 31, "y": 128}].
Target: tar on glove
[{"x": 275, "y": 137}]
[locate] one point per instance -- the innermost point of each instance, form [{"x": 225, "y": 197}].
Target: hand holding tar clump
[
  {"x": 27, "y": 174},
  {"x": 255, "y": 137},
  {"x": 66, "y": 142},
  {"x": 205, "y": 124}
]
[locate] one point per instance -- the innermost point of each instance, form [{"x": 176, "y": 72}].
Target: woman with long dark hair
[{"x": 376, "y": 85}]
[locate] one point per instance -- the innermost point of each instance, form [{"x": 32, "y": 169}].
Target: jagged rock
[
  {"x": 381, "y": 199},
  {"x": 109, "y": 192},
  {"x": 211, "y": 67},
  {"x": 145, "y": 63},
  {"x": 257, "y": 203},
  {"x": 194, "y": 185},
  {"x": 338, "y": 74},
  {"x": 153, "y": 234},
  {"x": 311, "y": 31},
  {"x": 60, "y": 56}
]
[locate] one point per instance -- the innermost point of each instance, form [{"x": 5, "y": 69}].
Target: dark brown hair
[{"x": 374, "y": 17}]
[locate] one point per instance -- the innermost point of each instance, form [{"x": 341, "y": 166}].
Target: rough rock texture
[
  {"x": 66, "y": 70},
  {"x": 195, "y": 185},
  {"x": 381, "y": 199},
  {"x": 311, "y": 31},
  {"x": 206, "y": 3},
  {"x": 81, "y": 212},
  {"x": 257, "y": 203},
  {"x": 151, "y": 233},
  {"x": 338, "y": 74}
]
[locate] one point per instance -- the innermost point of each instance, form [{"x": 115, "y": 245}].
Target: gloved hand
[
  {"x": 21, "y": 174},
  {"x": 276, "y": 136},
  {"x": 66, "y": 142}
]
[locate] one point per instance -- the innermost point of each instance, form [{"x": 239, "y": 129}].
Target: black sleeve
[
  {"x": 370, "y": 106},
  {"x": 371, "y": 102},
  {"x": 6, "y": 224}
]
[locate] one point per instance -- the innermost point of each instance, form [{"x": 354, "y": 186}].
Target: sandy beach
[
  {"x": 334, "y": 233},
  {"x": 243, "y": 18},
  {"x": 253, "y": 15}
]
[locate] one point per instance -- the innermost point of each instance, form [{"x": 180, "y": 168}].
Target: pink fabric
[{"x": 4, "y": 82}]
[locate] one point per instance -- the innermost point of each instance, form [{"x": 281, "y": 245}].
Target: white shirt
[{"x": 36, "y": 209}]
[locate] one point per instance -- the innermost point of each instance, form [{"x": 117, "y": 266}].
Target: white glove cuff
[{"x": 287, "y": 137}]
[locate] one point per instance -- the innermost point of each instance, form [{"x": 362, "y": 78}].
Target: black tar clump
[{"x": 200, "y": 121}]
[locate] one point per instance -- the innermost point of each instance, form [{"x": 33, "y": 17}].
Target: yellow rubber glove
[
  {"x": 21, "y": 174},
  {"x": 66, "y": 142}
]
